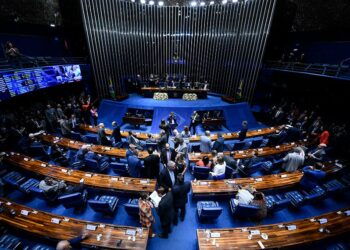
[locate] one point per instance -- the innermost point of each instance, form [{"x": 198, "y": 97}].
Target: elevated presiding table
[
  {"x": 47, "y": 225},
  {"x": 173, "y": 92},
  {"x": 276, "y": 236},
  {"x": 93, "y": 180}
]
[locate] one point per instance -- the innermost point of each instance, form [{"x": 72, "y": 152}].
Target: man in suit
[
  {"x": 180, "y": 192},
  {"x": 242, "y": 134},
  {"x": 219, "y": 143},
  {"x": 167, "y": 177},
  {"x": 167, "y": 154},
  {"x": 102, "y": 137},
  {"x": 163, "y": 140},
  {"x": 117, "y": 137},
  {"x": 195, "y": 120},
  {"x": 165, "y": 211},
  {"x": 172, "y": 122},
  {"x": 164, "y": 126},
  {"x": 205, "y": 142},
  {"x": 134, "y": 166},
  {"x": 151, "y": 164},
  {"x": 131, "y": 139}
]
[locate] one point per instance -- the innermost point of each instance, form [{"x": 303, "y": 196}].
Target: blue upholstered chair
[
  {"x": 104, "y": 204},
  {"x": 8, "y": 241},
  {"x": 75, "y": 200},
  {"x": 256, "y": 143},
  {"x": 333, "y": 186},
  {"x": 91, "y": 139},
  {"x": 76, "y": 136},
  {"x": 42, "y": 247},
  {"x": 219, "y": 177},
  {"x": 119, "y": 168},
  {"x": 277, "y": 202},
  {"x": 230, "y": 173},
  {"x": 96, "y": 166},
  {"x": 13, "y": 179},
  {"x": 248, "y": 170},
  {"x": 242, "y": 211},
  {"x": 39, "y": 150},
  {"x": 37, "y": 192},
  {"x": 195, "y": 148},
  {"x": 314, "y": 194},
  {"x": 132, "y": 207},
  {"x": 25, "y": 186},
  {"x": 296, "y": 198},
  {"x": 208, "y": 210},
  {"x": 201, "y": 173},
  {"x": 267, "y": 166}
]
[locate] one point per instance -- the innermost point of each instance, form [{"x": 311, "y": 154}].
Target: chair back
[
  {"x": 132, "y": 207},
  {"x": 91, "y": 139},
  {"x": 238, "y": 145},
  {"x": 201, "y": 173},
  {"x": 72, "y": 200},
  {"x": 256, "y": 143},
  {"x": 119, "y": 168}
]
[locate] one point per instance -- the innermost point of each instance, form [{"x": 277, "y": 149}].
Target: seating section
[
  {"x": 104, "y": 204},
  {"x": 243, "y": 211},
  {"x": 208, "y": 210},
  {"x": 277, "y": 202},
  {"x": 10, "y": 242},
  {"x": 132, "y": 207},
  {"x": 120, "y": 169},
  {"x": 76, "y": 200},
  {"x": 96, "y": 166},
  {"x": 13, "y": 179},
  {"x": 28, "y": 184}
]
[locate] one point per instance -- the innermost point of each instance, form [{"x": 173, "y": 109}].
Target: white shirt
[
  {"x": 243, "y": 197},
  {"x": 219, "y": 169}
]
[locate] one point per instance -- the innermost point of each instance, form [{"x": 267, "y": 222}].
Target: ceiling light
[
  {"x": 211, "y": 2},
  {"x": 224, "y": 1},
  {"x": 234, "y": 1},
  {"x": 52, "y": 25},
  {"x": 160, "y": 3},
  {"x": 151, "y": 2},
  {"x": 133, "y": 1},
  {"x": 202, "y": 3},
  {"x": 193, "y": 3},
  {"x": 143, "y": 1}
]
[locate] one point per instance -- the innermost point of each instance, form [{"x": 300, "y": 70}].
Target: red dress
[{"x": 145, "y": 212}]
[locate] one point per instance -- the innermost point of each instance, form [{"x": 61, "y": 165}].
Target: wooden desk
[
  {"x": 227, "y": 136},
  {"x": 213, "y": 122},
  {"x": 38, "y": 223},
  {"x": 93, "y": 180},
  {"x": 242, "y": 154},
  {"x": 278, "y": 235},
  {"x": 98, "y": 149},
  {"x": 262, "y": 183},
  {"x": 173, "y": 92},
  {"x": 133, "y": 120}
]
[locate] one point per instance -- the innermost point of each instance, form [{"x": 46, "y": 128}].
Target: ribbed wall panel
[{"x": 222, "y": 44}]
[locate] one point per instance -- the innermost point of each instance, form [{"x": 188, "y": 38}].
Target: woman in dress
[
  {"x": 181, "y": 164},
  {"x": 145, "y": 213}
]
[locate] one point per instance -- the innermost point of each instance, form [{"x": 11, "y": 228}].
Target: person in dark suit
[
  {"x": 164, "y": 126},
  {"x": 180, "y": 192},
  {"x": 102, "y": 137},
  {"x": 167, "y": 177},
  {"x": 134, "y": 166},
  {"x": 116, "y": 135},
  {"x": 163, "y": 140},
  {"x": 165, "y": 211},
  {"x": 195, "y": 120},
  {"x": 167, "y": 154},
  {"x": 219, "y": 143},
  {"x": 151, "y": 164},
  {"x": 242, "y": 134},
  {"x": 172, "y": 122}
]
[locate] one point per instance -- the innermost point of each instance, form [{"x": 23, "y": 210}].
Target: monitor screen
[{"x": 17, "y": 82}]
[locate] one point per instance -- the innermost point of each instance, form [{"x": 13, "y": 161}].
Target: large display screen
[{"x": 17, "y": 82}]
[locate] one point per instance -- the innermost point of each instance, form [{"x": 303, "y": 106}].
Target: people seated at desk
[
  {"x": 131, "y": 139},
  {"x": 219, "y": 168},
  {"x": 150, "y": 139},
  {"x": 244, "y": 195},
  {"x": 53, "y": 188},
  {"x": 219, "y": 144},
  {"x": 205, "y": 142},
  {"x": 259, "y": 201},
  {"x": 204, "y": 162},
  {"x": 293, "y": 160}
]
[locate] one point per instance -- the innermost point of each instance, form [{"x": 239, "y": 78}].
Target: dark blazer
[
  {"x": 162, "y": 141},
  {"x": 243, "y": 133},
  {"x": 180, "y": 193},
  {"x": 166, "y": 209},
  {"x": 165, "y": 180},
  {"x": 166, "y": 128},
  {"x": 134, "y": 166},
  {"x": 151, "y": 165},
  {"x": 116, "y": 134},
  {"x": 102, "y": 138},
  {"x": 219, "y": 144},
  {"x": 163, "y": 155}
]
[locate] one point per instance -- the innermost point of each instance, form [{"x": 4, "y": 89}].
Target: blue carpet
[{"x": 233, "y": 113}]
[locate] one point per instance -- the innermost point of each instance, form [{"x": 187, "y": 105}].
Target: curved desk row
[
  {"x": 276, "y": 236},
  {"x": 267, "y": 182},
  {"x": 47, "y": 225},
  {"x": 243, "y": 154},
  {"x": 93, "y": 180},
  {"x": 194, "y": 138}
]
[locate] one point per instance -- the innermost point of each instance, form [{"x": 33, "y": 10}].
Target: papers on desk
[
  {"x": 107, "y": 148},
  {"x": 91, "y": 227},
  {"x": 229, "y": 134},
  {"x": 71, "y": 142},
  {"x": 240, "y": 152},
  {"x": 339, "y": 165},
  {"x": 277, "y": 147},
  {"x": 81, "y": 180},
  {"x": 155, "y": 198},
  {"x": 197, "y": 154},
  {"x": 130, "y": 232},
  {"x": 114, "y": 179},
  {"x": 64, "y": 170},
  {"x": 8, "y": 203},
  {"x": 55, "y": 221},
  {"x": 260, "y": 149},
  {"x": 259, "y": 130}
]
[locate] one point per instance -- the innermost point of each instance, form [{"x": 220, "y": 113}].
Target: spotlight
[
  {"x": 202, "y": 3},
  {"x": 234, "y": 1},
  {"x": 143, "y": 1},
  {"x": 193, "y": 3},
  {"x": 151, "y": 2},
  {"x": 52, "y": 25},
  {"x": 224, "y": 1},
  {"x": 160, "y": 3},
  {"x": 211, "y": 2},
  {"x": 133, "y": 1}
]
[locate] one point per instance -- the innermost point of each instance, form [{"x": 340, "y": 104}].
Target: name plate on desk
[
  {"x": 347, "y": 212},
  {"x": 71, "y": 142},
  {"x": 114, "y": 179},
  {"x": 91, "y": 227},
  {"x": 43, "y": 165},
  {"x": 197, "y": 154},
  {"x": 254, "y": 232},
  {"x": 203, "y": 183},
  {"x": 64, "y": 170},
  {"x": 291, "y": 227},
  {"x": 229, "y": 134},
  {"x": 24, "y": 212},
  {"x": 88, "y": 175},
  {"x": 131, "y": 232},
  {"x": 259, "y": 130},
  {"x": 260, "y": 149},
  {"x": 240, "y": 152},
  {"x": 215, "y": 235},
  {"x": 26, "y": 159},
  {"x": 258, "y": 179},
  {"x": 143, "y": 181},
  {"x": 322, "y": 220},
  {"x": 55, "y": 221},
  {"x": 277, "y": 147},
  {"x": 283, "y": 175},
  {"x": 107, "y": 148}
]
